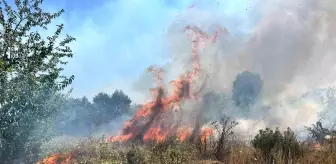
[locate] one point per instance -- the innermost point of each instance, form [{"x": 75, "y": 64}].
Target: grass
[
  {"x": 268, "y": 146},
  {"x": 96, "y": 151}
]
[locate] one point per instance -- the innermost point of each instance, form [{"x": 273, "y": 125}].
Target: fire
[
  {"x": 57, "y": 159},
  {"x": 155, "y": 121},
  {"x": 155, "y": 134},
  {"x": 184, "y": 133},
  {"x": 205, "y": 134}
]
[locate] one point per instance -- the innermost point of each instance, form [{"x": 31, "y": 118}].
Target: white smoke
[{"x": 291, "y": 45}]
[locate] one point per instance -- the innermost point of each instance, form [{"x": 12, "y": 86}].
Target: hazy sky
[{"x": 118, "y": 39}]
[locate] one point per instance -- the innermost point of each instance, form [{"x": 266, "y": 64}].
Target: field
[{"x": 269, "y": 148}]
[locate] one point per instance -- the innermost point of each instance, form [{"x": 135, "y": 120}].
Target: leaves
[
  {"x": 30, "y": 72},
  {"x": 272, "y": 142}
]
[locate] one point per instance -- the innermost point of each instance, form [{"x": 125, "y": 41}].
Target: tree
[
  {"x": 224, "y": 128},
  {"x": 111, "y": 107},
  {"x": 246, "y": 89},
  {"x": 122, "y": 104},
  {"x": 318, "y": 132},
  {"x": 75, "y": 118},
  {"x": 30, "y": 74}
]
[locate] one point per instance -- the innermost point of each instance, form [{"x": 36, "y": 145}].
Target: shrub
[
  {"x": 224, "y": 128},
  {"x": 138, "y": 155},
  {"x": 274, "y": 144},
  {"x": 173, "y": 151}
]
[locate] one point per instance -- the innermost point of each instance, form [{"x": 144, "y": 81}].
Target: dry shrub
[{"x": 224, "y": 128}]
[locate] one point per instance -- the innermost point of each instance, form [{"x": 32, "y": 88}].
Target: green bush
[
  {"x": 173, "y": 151},
  {"x": 274, "y": 144}
]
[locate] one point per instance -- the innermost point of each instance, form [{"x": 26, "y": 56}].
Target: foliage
[
  {"x": 111, "y": 107},
  {"x": 75, "y": 118},
  {"x": 80, "y": 117},
  {"x": 30, "y": 74},
  {"x": 93, "y": 151},
  {"x": 272, "y": 143},
  {"x": 173, "y": 151},
  {"x": 318, "y": 132},
  {"x": 246, "y": 89}
]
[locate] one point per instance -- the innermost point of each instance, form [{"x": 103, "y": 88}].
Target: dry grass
[{"x": 94, "y": 151}]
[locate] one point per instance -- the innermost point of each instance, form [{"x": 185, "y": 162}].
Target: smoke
[{"x": 290, "y": 45}]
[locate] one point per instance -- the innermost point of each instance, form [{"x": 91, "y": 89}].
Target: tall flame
[{"x": 152, "y": 120}]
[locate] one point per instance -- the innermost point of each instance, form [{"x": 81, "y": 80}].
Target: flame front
[
  {"x": 155, "y": 121},
  {"x": 57, "y": 159}
]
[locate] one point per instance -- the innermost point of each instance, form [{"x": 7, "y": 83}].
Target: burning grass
[{"x": 174, "y": 151}]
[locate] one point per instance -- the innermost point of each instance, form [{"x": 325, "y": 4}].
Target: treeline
[{"x": 79, "y": 116}]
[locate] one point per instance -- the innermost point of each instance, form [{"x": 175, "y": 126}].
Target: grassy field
[{"x": 97, "y": 151}]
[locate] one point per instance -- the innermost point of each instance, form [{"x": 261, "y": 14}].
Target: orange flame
[
  {"x": 57, "y": 159},
  {"x": 149, "y": 122},
  {"x": 152, "y": 121},
  {"x": 205, "y": 134}
]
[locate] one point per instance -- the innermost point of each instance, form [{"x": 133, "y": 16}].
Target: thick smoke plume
[{"x": 291, "y": 46}]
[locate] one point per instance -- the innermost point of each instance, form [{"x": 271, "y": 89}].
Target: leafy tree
[
  {"x": 111, "y": 107},
  {"x": 30, "y": 73},
  {"x": 75, "y": 118},
  {"x": 103, "y": 103},
  {"x": 246, "y": 89},
  {"x": 122, "y": 103}
]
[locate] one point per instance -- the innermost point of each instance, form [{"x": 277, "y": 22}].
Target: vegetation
[
  {"x": 31, "y": 82},
  {"x": 34, "y": 109},
  {"x": 30, "y": 75},
  {"x": 269, "y": 146},
  {"x": 274, "y": 143}
]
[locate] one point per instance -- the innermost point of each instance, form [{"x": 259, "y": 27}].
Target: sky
[{"x": 118, "y": 39}]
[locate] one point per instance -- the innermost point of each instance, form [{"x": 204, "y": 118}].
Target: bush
[
  {"x": 138, "y": 155},
  {"x": 224, "y": 127},
  {"x": 274, "y": 144},
  {"x": 173, "y": 151}
]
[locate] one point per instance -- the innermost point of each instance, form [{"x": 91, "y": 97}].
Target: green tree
[
  {"x": 246, "y": 89},
  {"x": 75, "y": 118},
  {"x": 111, "y": 107},
  {"x": 30, "y": 74}
]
